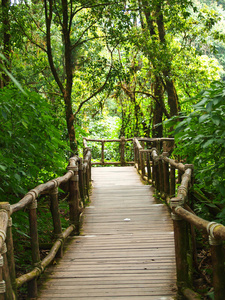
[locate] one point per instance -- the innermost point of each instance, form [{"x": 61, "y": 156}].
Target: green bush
[
  {"x": 200, "y": 138},
  {"x": 31, "y": 147}
]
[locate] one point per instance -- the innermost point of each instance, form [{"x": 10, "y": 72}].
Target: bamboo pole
[
  {"x": 153, "y": 173},
  {"x": 9, "y": 294},
  {"x": 149, "y": 172},
  {"x": 46, "y": 261},
  {"x": 166, "y": 174},
  {"x": 142, "y": 163},
  {"x": 102, "y": 152},
  {"x": 42, "y": 188},
  {"x": 176, "y": 165},
  {"x": 88, "y": 179},
  {"x": 88, "y": 157},
  {"x": 85, "y": 181},
  {"x": 113, "y": 163},
  {"x": 4, "y": 275},
  {"x": 172, "y": 181},
  {"x": 135, "y": 152},
  {"x": 155, "y": 159},
  {"x": 122, "y": 155},
  {"x": 161, "y": 178},
  {"x": 10, "y": 256},
  {"x": 2, "y": 282},
  {"x": 181, "y": 246},
  {"x": 179, "y": 176},
  {"x": 74, "y": 210},
  {"x": 217, "y": 256},
  {"x": 32, "y": 285},
  {"x": 81, "y": 180},
  {"x": 54, "y": 208}
]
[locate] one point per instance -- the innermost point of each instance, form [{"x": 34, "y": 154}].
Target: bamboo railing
[
  {"x": 166, "y": 174},
  {"x": 171, "y": 179},
  {"x": 103, "y": 162},
  {"x": 77, "y": 178}
]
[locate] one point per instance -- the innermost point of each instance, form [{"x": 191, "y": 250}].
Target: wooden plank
[{"x": 125, "y": 250}]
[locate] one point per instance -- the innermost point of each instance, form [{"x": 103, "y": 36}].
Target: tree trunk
[
  {"x": 154, "y": 18},
  {"x": 170, "y": 88},
  {"x": 157, "y": 130},
  {"x": 6, "y": 40},
  {"x": 66, "y": 89},
  {"x": 70, "y": 121}
]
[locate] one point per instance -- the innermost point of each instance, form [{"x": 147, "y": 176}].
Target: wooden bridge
[{"x": 127, "y": 246}]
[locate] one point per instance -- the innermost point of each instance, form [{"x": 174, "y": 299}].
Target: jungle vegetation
[{"x": 106, "y": 69}]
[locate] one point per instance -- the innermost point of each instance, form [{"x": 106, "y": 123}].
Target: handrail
[
  {"x": 122, "y": 142},
  {"x": 171, "y": 179},
  {"x": 164, "y": 174},
  {"x": 78, "y": 179}
]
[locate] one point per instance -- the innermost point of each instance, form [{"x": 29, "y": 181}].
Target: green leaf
[
  {"x": 216, "y": 120},
  {"x": 14, "y": 80},
  {"x": 209, "y": 107},
  {"x": 208, "y": 143},
  {"x": 17, "y": 176},
  {"x": 203, "y": 118},
  {"x": 3, "y": 168},
  {"x": 24, "y": 124},
  {"x": 4, "y": 114}
]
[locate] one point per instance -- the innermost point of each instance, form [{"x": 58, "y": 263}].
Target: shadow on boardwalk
[{"x": 126, "y": 248}]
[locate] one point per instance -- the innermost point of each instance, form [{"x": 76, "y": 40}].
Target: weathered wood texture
[{"x": 125, "y": 250}]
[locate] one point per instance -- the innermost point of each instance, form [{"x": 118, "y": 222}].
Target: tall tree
[{"x": 6, "y": 41}]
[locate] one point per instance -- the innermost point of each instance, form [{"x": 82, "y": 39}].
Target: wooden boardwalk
[{"x": 126, "y": 248}]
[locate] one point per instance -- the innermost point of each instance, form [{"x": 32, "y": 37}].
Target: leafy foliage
[
  {"x": 200, "y": 137},
  {"x": 31, "y": 148}
]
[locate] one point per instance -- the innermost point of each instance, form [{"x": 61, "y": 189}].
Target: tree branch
[
  {"x": 98, "y": 90},
  {"x": 82, "y": 34},
  {"x": 161, "y": 104},
  {"x": 29, "y": 38},
  {"x": 48, "y": 20}
]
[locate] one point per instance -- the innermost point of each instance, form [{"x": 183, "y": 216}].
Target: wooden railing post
[
  {"x": 142, "y": 162},
  {"x": 138, "y": 159},
  {"x": 102, "y": 152},
  {"x": 161, "y": 177},
  {"x": 122, "y": 143},
  {"x": 148, "y": 160},
  {"x": 179, "y": 176},
  {"x": 88, "y": 179},
  {"x": 74, "y": 209},
  {"x": 89, "y": 168},
  {"x": 217, "y": 255},
  {"x": 54, "y": 207},
  {"x": 135, "y": 152},
  {"x": 32, "y": 285},
  {"x": 181, "y": 246},
  {"x": 166, "y": 175},
  {"x": 9, "y": 295},
  {"x": 7, "y": 268},
  {"x": 81, "y": 180},
  {"x": 155, "y": 160},
  {"x": 172, "y": 181},
  {"x": 2, "y": 282},
  {"x": 85, "y": 182},
  {"x": 10, "y": 258}
]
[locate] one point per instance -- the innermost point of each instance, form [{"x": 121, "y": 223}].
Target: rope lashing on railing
[
  {"x": 2, "y": 287},
  {"x": 210, "y": 229}
]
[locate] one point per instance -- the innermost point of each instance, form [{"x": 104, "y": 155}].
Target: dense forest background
[{"x": 106, "y": 69}]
